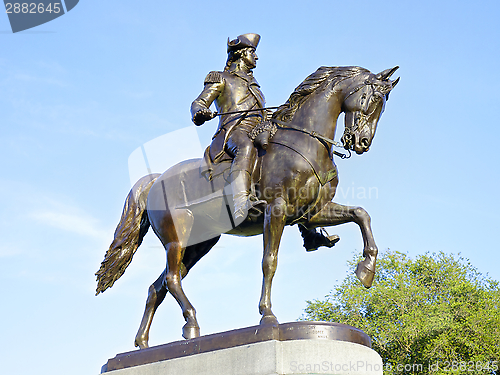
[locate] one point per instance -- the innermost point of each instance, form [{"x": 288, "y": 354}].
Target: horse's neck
[{"x": 319, "y": 114}]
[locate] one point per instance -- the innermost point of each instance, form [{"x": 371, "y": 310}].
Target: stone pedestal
[{"x": 291, "y": 348}]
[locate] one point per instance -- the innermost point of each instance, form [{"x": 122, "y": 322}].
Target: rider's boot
[
  {"x": 314, "y": 239},
  {"x": 244, "y": 201}
]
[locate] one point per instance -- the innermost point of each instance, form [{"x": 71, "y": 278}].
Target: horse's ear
[
  {"x": 386, "y": 74},
  {"x": 395, "y": 82}
]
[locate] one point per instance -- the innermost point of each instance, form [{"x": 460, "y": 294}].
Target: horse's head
[{"x": 363, "y": 105}]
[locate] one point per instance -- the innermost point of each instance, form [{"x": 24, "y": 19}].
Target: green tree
[{"x": 436, "y": 310}]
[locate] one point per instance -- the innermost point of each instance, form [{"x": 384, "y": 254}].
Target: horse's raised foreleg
[
  {"x": 274, "y": 223},
  {"x": 335, "y": 214}
]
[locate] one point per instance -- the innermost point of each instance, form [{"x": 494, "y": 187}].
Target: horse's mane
[{"x": 320, "y": 78}]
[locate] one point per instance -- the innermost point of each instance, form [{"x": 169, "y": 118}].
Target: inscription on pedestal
[{"x": 322, "y": 331}]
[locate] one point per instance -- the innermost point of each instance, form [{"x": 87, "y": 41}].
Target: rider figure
[{"x": 235, "y": 89}]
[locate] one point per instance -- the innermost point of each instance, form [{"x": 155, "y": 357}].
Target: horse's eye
[{"x": 377, "y": 97}]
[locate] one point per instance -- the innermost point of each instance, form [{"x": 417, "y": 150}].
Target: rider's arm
[{"x": 214, "y": 84}]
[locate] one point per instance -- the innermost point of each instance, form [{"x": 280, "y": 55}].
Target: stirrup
[
  {"x": 251, "y": 205},
  {"x": 321, "y": 239},
  {"x": 257, "y": 205}
]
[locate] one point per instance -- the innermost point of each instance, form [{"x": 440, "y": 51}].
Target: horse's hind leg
[
  {"x": 175, "y": 252},
  {"x": 335, "y": 214},
  {"x": 158, "y": 290},
  {"x": 190, "y": 256},
  {"x": 173, "y": 228},
  {"x": 156, "y": 294}
]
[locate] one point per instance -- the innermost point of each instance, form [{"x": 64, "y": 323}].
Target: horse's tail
[{"x": 129, "y": 233}]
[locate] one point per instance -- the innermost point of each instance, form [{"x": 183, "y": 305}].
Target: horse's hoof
[
  {"x": 190, "y": 332},
  {"x": 141, "y": 344},
  {"x": 365, "y": 275},
  {"x": 269, "y": 320}
]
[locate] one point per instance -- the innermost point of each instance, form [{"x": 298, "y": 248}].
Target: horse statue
[{"x": 189, "y": 209}]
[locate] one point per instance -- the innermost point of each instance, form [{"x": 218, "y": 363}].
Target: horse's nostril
[{"x": 365, "y": 142}]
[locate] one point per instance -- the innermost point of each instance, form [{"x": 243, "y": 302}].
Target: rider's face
[{"x": 249, "y": 57}]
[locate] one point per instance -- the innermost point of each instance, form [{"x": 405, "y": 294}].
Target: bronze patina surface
[
  {"x": 293, "y": 180},
  {"x": 244, "y": 336}
]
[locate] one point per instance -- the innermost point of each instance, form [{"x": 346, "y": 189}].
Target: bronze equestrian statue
[{"x": 295, "y": 176}]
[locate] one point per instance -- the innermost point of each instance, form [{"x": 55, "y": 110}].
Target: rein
[{"x": 284, "y": 125}]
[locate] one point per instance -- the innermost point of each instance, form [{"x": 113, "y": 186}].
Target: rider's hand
[{"x": 202, "y": 115}]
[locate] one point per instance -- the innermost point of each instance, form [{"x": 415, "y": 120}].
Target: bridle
[{"x": 359, "y": 116}]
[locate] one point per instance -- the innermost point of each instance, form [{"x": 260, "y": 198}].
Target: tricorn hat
[{"x": 243, "y": 41}]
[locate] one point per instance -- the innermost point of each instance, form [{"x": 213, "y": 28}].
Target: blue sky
[{"x": 79, "y": 94}]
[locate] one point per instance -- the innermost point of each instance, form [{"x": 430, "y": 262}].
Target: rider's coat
[{"x": 231, "y": 91}]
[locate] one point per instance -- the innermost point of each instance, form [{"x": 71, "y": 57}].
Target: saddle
[
  {"x": 209, "y": 169},
  {"x": 260, "y": 136}
]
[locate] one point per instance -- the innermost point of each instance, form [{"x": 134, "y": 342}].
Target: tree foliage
[{"x": 436, "y": 310}]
